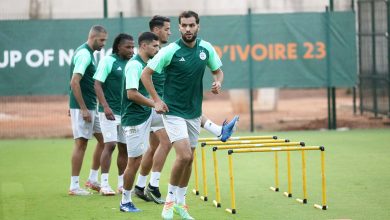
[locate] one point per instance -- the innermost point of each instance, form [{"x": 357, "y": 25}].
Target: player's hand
[
  {"x": 109, "y": 114},
  {"x": 86, "y": 115},
  {"x": 161, "y": 107},
  {"x": 216, "y": 87}
]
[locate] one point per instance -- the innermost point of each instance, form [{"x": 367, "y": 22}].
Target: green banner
[{"x": 286, "y": 50}]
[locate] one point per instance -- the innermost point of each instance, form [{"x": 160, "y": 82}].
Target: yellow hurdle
[
  {"x": 217, "y": 201},
  {"x": 204, "y": 197},
  {"x": 274, "y": 149},
  {"x": 196, "y": 190},
  {"x": 238, "y": 138},
  {"x": 215, "y": 141}
]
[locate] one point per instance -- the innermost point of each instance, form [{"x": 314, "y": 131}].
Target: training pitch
[{"x": 35, "y": 176}]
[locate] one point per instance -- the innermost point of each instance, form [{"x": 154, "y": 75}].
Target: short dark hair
[
  {"x": 147, "y": 37},
  {"x": 188, "y": 14},
  {"x": 158, "y": 21},
  {"x": 119, "y": 39}
]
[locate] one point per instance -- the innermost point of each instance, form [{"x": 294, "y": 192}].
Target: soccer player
[
  {"x": 137, "y": 115},
  {"x": 184, "y": 63},
  {"x": 108, "y": 86},
  {"x": 82, "y": 104},
  {"x": 154, "y": 158}
]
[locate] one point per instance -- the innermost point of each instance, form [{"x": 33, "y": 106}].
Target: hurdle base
[
  {"x": 216, "y": 204},
  {"x": 231, "y": 211},
  {"x": 204, "y": 198},
  {"x": 322, "y": 207},
  {"x": 289, "y": 195},
  {"x": 303, "y": 201},
  {"x": 275, "y": 189},
  {"x": 196, "y": 192}
]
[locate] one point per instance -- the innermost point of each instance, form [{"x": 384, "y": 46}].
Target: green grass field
[{"x": 35, "y": 176}]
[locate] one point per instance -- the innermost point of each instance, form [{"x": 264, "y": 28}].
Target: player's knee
[{"x": 186, "y": 158}]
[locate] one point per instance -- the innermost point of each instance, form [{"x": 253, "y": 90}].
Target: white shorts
[
  {"x": 179, "y": 128},
  {"x": 81, "y": 128},
  {"x": 137, "y": 138},
  {"x": 157, "y": 122},
  {"x": 111, "y": 130}
]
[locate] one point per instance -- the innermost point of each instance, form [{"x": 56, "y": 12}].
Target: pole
[
  {"x": 105, "y": 8},
  {"x": 249, "y": 34}
]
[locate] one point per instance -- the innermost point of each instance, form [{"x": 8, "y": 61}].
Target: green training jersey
[
  {"x": 184, "y": 69},
  {"x": 83, "y": 62},
  {"x": 110, "y": 72},
  {"x": 133, "y": 113}
]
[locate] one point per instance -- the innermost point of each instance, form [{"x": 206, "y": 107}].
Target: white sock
[
  {"x": 104, "y": 180},
  {"x": 74, "y": 182},
  {"x": 155, "y": 179},
  {"x": 141, "y": 181},
  {"x": 171, "y": 193},
  {"x": 181, "y": 195},
  {"x": 126, "y": 196},
  {"x": 213, "y": 128},
  {"x": 120, "y": 181},
  {"x": 93, "y": 175}
]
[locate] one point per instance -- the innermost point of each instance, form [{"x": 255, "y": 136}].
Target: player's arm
[
  {"x": 214, "y": 63},
  {"x": 146, "y": 78},
  {"x": 103, "y": 70},
  {"x": 138, "y": 98},
  {"x": 75, "y": 85},
  {"x": 133, "y": 74},
  {"x": 81, "y": 61},
  {"x": 102, "y": 100},
  {"x": 218, "y": 79}
]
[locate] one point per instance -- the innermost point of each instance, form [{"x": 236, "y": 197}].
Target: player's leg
[
  {"x": 153, "y": 191},
  {"x": 193, "y": 126},
  {"x": 121, "y": 163},
  {"x": 109, "y": 130},
  {"x": 222, "y": 132},
  {"x": 146, "y": 166},
  {"x": 137, "y": 142},
  {"x": 82, "y": 131},
  {"x": 92, "y": 181},
  {"x": 160, "y": 156},
  {"x": 176, "y": 129},
  {"x": 121, "y": 157},
  {"x": 105, "y": 163}
]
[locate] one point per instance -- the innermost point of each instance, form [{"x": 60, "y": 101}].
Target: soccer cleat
[
  {"x": 228, "y": 128},
  {"x": 167, "y": 213},
  {"x": 182, "y": 210},
  {"x": 128, "y": 207},
  {"x": 94, "y": 185},
  {"x": 154, "y": 194},
  {"x": 79, "y": 192},
  {"x": 107, "y": 191},
  {"x": 140, "y": 193}
]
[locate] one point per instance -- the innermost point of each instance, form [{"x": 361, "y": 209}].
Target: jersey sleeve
[
  {"x": 133, "y": 72},
  {"x": 214, "y": 62},
  {"x": 81, "y": 61},
  {"x": 104, "y": 69},
  {"x": 163, "y": 58}
]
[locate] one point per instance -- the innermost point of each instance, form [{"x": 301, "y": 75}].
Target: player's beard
[
  {"x": 96, "y": 46},
  {"x": 190, "y": 40}
]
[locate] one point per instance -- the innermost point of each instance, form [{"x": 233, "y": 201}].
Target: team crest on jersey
[{"x": 202, "y": 55}]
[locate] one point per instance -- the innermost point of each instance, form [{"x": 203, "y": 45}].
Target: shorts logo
[
  {"x": 130, "y": 130},
  {"x": 202, "y": 55}
]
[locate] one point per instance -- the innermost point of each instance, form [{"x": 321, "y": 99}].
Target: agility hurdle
[
  {"x": 233, "y": 210},
  {"x": 204, "y": 142},
  {"x": 217, "y": 201}
]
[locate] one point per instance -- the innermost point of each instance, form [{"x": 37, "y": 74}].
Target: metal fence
[{"x": 374, "y": 76}]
